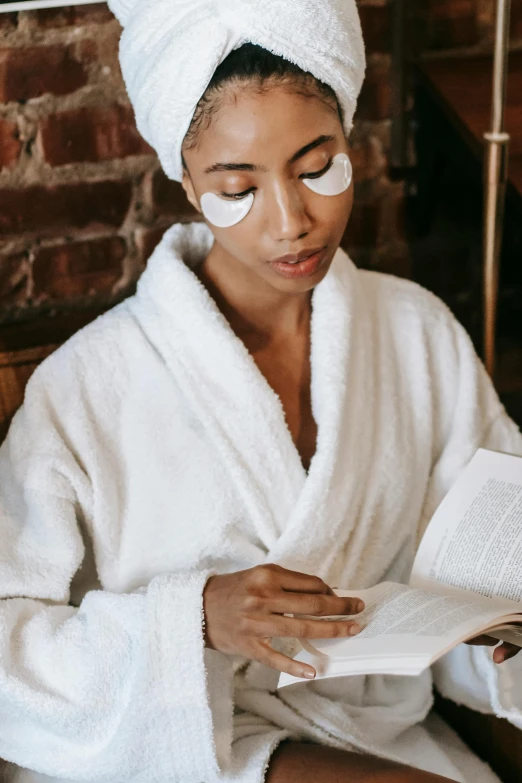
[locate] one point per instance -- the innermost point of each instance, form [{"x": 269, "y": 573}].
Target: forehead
[{"x": 263, "y": 126}]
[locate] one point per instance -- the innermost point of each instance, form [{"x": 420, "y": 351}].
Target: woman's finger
[
  {"x": 317, "y": 604},
  {"x": 297, "y": 582},
  {"x": 265, "y": 653},
  {"x": 271, "y": 578},
  {"x": 303, "y": 628},
  {"x": 504, "y": 652}
]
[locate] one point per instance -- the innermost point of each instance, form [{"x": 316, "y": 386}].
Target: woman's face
[{"x": 267, "y": 144}]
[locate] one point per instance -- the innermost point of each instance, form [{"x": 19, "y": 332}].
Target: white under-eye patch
[
  {"x": 223, "y": 213},
  {"x": 336, "y": 180}
]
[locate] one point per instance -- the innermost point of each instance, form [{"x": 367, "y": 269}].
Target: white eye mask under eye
[
  {"x": 336, "y": 180},
  {"x": 223, "y": 213}
]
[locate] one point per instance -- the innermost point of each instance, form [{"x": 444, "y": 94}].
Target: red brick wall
[{"x": 82, "y": 198}]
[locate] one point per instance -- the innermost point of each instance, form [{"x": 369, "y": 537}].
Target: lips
[
  {"x": 306, "y": 267},
  {"x": 296, "y": 258}
]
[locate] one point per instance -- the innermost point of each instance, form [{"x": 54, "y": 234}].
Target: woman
[{"x": 260, "y": 423}]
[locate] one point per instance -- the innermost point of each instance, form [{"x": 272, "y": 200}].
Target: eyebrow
[{"x": 318, "y": 142}]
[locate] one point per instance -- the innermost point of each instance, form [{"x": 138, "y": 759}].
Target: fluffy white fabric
[
  {"x": 149, "y": 452},
  {"x": 170, "y": 49}
]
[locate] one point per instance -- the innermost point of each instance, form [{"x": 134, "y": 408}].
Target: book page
[
  {"x": 404, "y": 631},
  {"x": 399, "y": 620},
  {"x": 474, "y": 540}
]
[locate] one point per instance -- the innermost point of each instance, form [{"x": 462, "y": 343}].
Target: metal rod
[
  {"x": 398, "y": 156},
  {"x": 495, "y": 182}
]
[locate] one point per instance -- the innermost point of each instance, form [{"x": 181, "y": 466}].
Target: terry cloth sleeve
[
  {"x": 469, "y": 415},
  {"x": 115, "y": 689}
]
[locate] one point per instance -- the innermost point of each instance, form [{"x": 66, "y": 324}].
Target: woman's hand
[
  {"x": 245, "y": 610},
  {"x": 503, "y": 652}
]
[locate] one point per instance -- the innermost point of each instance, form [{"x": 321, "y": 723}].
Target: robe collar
[{"x": 297, "y": 515}]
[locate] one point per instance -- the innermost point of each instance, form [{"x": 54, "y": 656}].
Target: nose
[{"x": 287, "y": 215}]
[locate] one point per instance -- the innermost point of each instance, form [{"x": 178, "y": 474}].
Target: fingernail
[
  {"x": 308, "y": 674},
  {"x": 355, "y": 628},
  {"x": 360, "y": 606}
]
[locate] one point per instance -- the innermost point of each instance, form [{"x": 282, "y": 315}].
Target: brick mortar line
[
  {"x": 24, "y": 176},
  {"x": 29, "y": 33},
  {"x": 92, "y": 96},
  {"x": 24, "y": 243},
  {"x": 30, "y": 245}
]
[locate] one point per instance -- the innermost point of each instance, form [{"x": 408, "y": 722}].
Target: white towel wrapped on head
[{"x": 170, "y": 49}]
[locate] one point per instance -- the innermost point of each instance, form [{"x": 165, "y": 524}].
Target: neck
[{"x": 251, "y": 306}]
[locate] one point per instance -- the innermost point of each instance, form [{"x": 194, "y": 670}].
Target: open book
[{"x": 466, "y": 581}]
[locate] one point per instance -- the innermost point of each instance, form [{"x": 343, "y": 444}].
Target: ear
[{"x": 188, "y": 187}]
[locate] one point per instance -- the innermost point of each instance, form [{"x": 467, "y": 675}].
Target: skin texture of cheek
[
  {"x": 247, "y": 248},
  {"x": 337, "y": 179},
  {"x": 223, "y": 213}
]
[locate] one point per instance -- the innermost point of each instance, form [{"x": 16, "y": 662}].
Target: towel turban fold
[{"x": 170, "y": 49}]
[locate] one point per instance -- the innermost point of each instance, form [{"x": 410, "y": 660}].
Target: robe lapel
[
  {"x": 324, "y": 518},
  {"x": 297, "y": 517},
  {"x": 221, "y": 382}
]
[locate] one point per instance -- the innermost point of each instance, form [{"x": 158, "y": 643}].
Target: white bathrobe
[{"x": 151, "y": 452}]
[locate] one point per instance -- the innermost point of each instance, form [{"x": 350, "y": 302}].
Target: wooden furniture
[
  {"x": 453, "y": 105},
  {"x": 462, "y": 90},
  {"x": 22, "y": 347},
  {"x": 452, "y": 99}
]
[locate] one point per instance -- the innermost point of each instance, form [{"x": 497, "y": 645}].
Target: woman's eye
[
  {"x": 236, "y": 196},
  {"x": 317, "y": 174}
]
